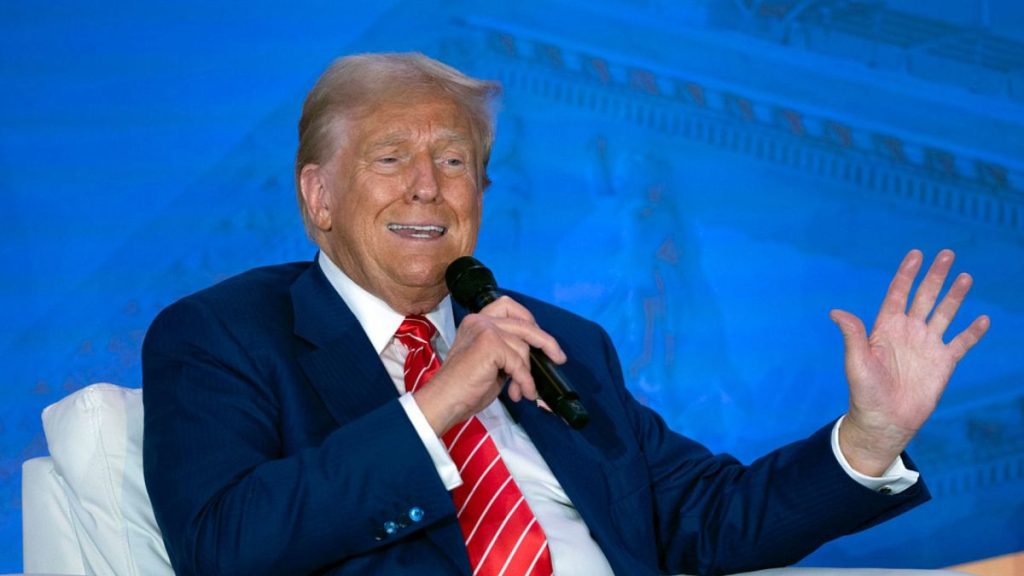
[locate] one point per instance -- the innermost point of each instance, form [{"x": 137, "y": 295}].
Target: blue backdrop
[{"x": 705, "y": 178}]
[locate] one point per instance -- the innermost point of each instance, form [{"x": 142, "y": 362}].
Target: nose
[{"x": 425, "y": 180}]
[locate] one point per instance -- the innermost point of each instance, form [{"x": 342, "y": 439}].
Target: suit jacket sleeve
[
  {"x": 714, "y": 515},
  {"x": 229, "y": 495}
]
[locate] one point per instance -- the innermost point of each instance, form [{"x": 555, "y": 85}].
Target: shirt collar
[{"x": 380, "y": 321}]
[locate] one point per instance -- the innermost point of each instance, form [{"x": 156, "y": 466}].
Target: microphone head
[{"x": 467, "y": 280}]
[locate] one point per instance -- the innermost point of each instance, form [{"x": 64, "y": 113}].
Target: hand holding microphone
[{"x": 472, "y": 285}]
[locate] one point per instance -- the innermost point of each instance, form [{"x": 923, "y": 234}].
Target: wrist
[
  {"x": 870, "y": 450},
  {"x": 441, "y": 413}
]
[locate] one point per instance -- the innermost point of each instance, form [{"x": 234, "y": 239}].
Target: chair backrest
[{"x": 85, "y": 509}]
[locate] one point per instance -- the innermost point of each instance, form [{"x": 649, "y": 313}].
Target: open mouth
[{"x": 418, "y": 231}]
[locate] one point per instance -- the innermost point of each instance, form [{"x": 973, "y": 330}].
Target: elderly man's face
[{"x": 402, "y": 200}]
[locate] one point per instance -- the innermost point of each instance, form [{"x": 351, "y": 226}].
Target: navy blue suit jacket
[{"x": 275, "y": 444}]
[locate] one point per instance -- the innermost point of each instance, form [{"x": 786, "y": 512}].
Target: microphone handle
[{"x": 555, "y": 390}]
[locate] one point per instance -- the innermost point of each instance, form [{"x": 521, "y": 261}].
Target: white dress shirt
[{"x": 573, "y": 550}]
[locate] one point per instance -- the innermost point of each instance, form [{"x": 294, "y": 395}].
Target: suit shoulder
[
  {"x": 256, "y": 286},
  {"x": 257, "y": 295}
]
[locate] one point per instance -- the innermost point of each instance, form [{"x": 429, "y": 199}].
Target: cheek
[
  {"x": 360, "y": 209},
  {"x": 477, "y": 215},
  {"x": 472, "y": 217},
  {"x": 470, "y": 203}
]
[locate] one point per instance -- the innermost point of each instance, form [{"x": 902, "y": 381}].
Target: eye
[
  {"x": 452, "y": 162},
  {"x": 387, "y": 163}
]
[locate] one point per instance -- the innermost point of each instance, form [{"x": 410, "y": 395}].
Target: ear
[{"x": 315, "y": 195}]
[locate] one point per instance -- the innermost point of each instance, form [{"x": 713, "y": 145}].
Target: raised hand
[{"x": 898, "y": 373}]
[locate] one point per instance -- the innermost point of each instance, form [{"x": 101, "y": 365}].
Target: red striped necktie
[{"x": 501, "y": 533}]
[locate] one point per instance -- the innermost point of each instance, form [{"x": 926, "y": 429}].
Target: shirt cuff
[
  {"x": 446, "y": 468},
  {"x": 894, "y": 480}
]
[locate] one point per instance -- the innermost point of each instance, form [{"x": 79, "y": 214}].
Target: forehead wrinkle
[
  {"x": 452, "y": 135},
  {"x": 390, "y": 138},
  {"x": 402, "y": 135}
]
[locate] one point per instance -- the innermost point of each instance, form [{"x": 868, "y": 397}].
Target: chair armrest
[{"x": 49, "y": 542}]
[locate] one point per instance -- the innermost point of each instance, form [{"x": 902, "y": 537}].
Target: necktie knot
[
  {"x": 421, "y": 362},
  {"x": 416, "y": 331}
]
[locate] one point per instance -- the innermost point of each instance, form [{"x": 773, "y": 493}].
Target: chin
[{"x": 422, "y": 274}]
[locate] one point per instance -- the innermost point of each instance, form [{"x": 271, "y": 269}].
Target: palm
[
  {"x": 903, "y": 373},
  {"x": 897, "y": 375}
]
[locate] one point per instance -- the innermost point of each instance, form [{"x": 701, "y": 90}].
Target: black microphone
[{"x": 473, "y": 286}]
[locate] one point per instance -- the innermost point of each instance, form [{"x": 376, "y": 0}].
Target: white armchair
[{"x": 85, "y": 508}]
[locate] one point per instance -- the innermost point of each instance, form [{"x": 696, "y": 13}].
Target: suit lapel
[{"x": 342, "y": 365}]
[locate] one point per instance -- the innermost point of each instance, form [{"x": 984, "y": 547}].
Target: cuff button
[{"x": 415, "y": 514}]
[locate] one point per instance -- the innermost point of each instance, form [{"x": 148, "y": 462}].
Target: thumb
[{"x": 854, "y": 335}]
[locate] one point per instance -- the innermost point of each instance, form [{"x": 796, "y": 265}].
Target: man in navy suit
[{"x": 280, "y": 437}]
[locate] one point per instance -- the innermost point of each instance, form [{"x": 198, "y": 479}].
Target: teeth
[
  {"x": 419, "y": 231},
  {"x": 427, "y": 228}
]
